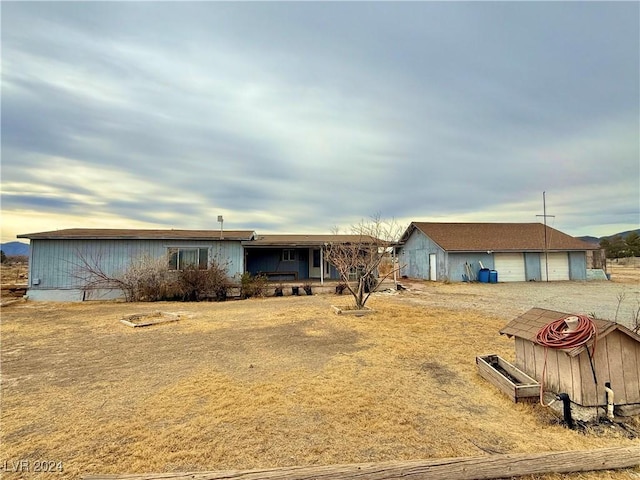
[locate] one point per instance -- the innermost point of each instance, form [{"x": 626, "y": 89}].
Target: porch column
[
  {"x": 321, "y": 266},
  {"x": 393, "y": 265}
]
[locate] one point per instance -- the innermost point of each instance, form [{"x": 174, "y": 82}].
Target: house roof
[
  {"x": 527, "y": 325},
  {"x": 126, "y": 234},
  {"x": 302, "y": 240},
  {"x": 497, "y": 237}
]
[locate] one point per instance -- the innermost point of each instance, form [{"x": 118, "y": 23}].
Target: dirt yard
[{"x": 281, "y": 381}]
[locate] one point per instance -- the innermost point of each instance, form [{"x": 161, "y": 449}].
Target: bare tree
[
  {"x": 357, "y": 256},
  {"x": 145, "y": 278}
]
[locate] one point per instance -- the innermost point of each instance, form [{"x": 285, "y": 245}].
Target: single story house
[
  {"x": 517, "y": 251},
  {"x": 57, "y": 258},
  {"x": 616, "y": 361}
]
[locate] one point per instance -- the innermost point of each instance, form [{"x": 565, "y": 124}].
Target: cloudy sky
[{"x": 297, "y": 117}]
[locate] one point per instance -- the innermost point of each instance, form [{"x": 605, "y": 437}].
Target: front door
[
  {"x": 314, "y": 263},
  {"x": 432, "y": 267}
]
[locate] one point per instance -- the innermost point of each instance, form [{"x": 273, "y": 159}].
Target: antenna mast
[{"x": 546, "y": 246}]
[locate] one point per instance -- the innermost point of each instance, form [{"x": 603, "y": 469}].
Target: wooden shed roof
[
  {"x": 303, "y": 240},
  {"x": 497, "y": 237},
  {"x": 129, "y": 234},
  {"x": 527, "y": 325}
]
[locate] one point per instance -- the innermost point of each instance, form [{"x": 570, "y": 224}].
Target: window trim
[
  {"x": 174, "y": 257},
  {"x": 288, "y": 255}
]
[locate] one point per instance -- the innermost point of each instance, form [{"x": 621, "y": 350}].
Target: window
[
  {"x": 181, "y": 258},
  {"x": 288, "y": 255}
]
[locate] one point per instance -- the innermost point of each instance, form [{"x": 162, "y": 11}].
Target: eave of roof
[
  {"x": 497, "y": 237},
  {"x": 140, "y": 234},
  {"x": 300, "y": 240}
]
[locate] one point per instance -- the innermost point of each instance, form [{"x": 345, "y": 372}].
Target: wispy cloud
[{"x": 301, "y": 116}]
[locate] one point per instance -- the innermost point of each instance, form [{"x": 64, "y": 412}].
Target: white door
[
  {"x": 558, "y": 264},
  {"x": 510, "y": 267},
  {"x": 314, "y": 263},
  {"x": 432, "y": 267}
]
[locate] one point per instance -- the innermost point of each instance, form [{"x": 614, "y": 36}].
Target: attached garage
[
  {"x": 557, "y": 264},
  {"x": 510, "y": 267}
]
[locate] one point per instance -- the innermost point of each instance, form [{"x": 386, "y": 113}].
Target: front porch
[
  {"x": 289, "y": 288},
  {"x": 290, "y": 264}
]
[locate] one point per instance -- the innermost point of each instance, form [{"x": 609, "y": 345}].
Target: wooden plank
[
  {"x": 552, "y": 380},
  {"x": 464, "y": 468},
  {"x": 524, "y": 388},
  {"x": 631, "y": 368},
  {"x": 538, "y": 358},
  {"x": 576, "y": 378},
  {"x": 565, "y": 375},
  {"x": 587, "y": 384},
  {"x": 518, "y": 374},
  {"x": 487, "y": 372},
  {"x": 520, "y": 353},
  {"x": 601, "y": 364},
  {"x": 615, "y": 370}
]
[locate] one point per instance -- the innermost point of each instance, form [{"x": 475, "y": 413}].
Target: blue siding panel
[
  {"x": 577, "y": 265},
  {"x": 532, "y": 266},
  {"x": 457, "y": 271},
  {"x": 58, "y": 264},
  {"x": 414, "y": 257}
]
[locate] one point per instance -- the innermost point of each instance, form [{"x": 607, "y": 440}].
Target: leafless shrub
[
  {"x": 147, "y": 279},
  {"x": 253, "y": 286},
  {"x": 635, "y": 318},
  {"x": 195, "y": 285},
  {"x": 358, "y": 258}
]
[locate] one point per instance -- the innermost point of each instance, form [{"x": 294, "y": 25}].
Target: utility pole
[{"x": 546, "y": 245}]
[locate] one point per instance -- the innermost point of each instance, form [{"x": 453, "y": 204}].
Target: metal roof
[
  {"x": 497, "y": 237},
  {"x": 129, "y": 234}
]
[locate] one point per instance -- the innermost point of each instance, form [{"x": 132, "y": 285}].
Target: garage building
[{"x": 517, "y": 251}]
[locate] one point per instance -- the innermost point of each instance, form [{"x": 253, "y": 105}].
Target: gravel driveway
[{"x": 507, "y": 300}]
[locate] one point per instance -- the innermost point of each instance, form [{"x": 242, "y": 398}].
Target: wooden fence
[{"x": 465, "y": 468}]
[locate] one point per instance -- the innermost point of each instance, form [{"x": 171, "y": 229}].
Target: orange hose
[{"x": 556, "y": 335}]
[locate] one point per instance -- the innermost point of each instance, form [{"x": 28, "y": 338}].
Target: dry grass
[
  {"x": 15, "y": 273},
  {"x": 260, "y": 383}
]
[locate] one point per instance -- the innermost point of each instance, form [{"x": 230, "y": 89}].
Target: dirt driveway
[
  {"x": 276, "y": 381},
  {"x": 608, "y": 300}
]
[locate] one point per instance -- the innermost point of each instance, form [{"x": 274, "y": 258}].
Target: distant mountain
[
  {"x": 596, "y": 240},
  {"x": 15, "y": 248},
  {"x": 589, "y": 239}
]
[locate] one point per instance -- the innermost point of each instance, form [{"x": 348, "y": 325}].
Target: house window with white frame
[
  {"x": 181, "y": 258},
  {"x": 288, "y": 255}
]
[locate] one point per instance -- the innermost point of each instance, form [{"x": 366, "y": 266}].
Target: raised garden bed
[
  {"x": 352, "y": 311},
  {"x": 147, "y": 319},
  {"x": 512, "y": 381}
]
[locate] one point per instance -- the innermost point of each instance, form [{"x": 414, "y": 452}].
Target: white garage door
[
  {"x": 558, "y": 266},
  {"x": 510, "y": 267}
]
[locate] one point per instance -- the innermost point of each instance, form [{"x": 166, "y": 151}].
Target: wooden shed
[{"x": 616, "y": 359}]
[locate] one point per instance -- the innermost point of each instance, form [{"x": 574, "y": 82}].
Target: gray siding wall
[
  {"x": 532, "y": 266},
  {"x": 578, "y": 265},
  {"x": 414, "y": 257},
  {"x": 457, "y": 271},
  {"x": 55, "y": 264}
]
